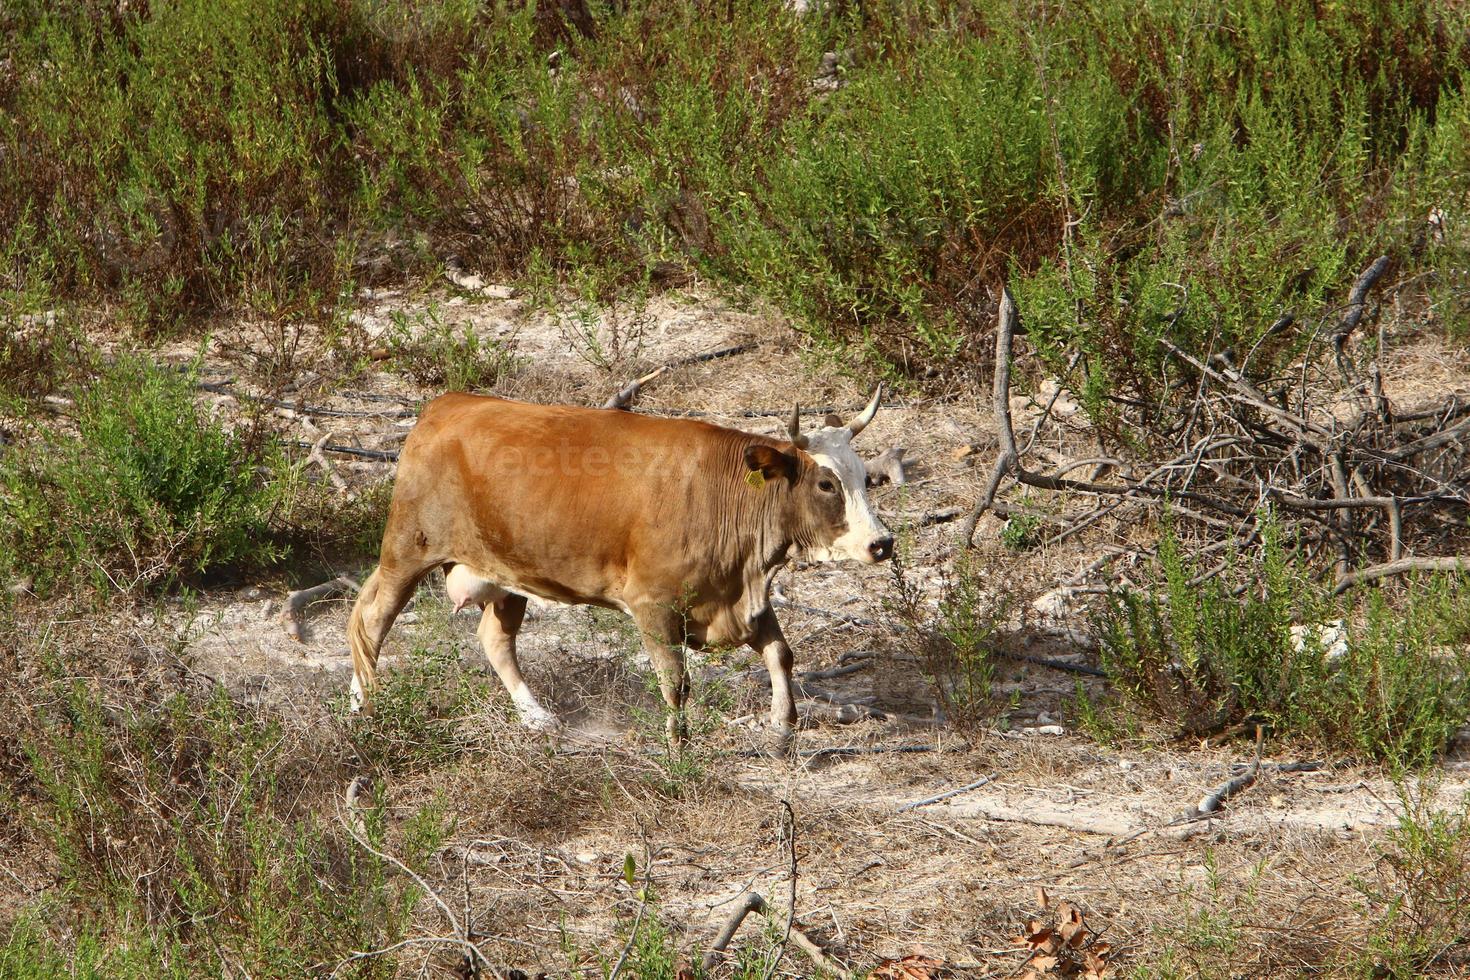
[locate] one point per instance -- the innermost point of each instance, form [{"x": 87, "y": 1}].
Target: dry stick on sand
[
  {"x": 983, "y": 780},
  {"x": 380, "y": 455},
  {"x": 755, "y": 903},
  {"x": 321, "y": 461},
  {"x": 293, "y": 617},
  {"x": 1216, "y": 797},
  {"x": 628, "y": 392}
]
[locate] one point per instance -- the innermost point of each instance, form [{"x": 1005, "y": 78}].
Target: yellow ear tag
[{"x": 756, "y": 479}]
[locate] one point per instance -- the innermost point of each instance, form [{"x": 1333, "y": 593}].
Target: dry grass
[{"x": 1268, "y": 890}]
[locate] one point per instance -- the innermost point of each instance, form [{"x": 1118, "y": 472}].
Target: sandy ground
[{"x": 956, "y": 878}]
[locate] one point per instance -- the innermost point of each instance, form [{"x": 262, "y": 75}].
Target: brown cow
[{"x": 679, "y": 523}]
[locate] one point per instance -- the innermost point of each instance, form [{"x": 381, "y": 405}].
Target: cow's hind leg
[
  {"x": 499, "y": 625},
  {"x": 382, "y": 598}
]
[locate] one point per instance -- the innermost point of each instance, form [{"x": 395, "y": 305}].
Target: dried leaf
[
  {"x": 1070, "y": 924},
  {"x": 1095, "y": 959},
  {"x": 1042, "y": 898},
  {"x": 915, "y": 966},
  {"x": 1044, "y": 962}
]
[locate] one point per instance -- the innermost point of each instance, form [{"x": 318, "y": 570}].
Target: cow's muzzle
[{"x": 881, "y": 549}]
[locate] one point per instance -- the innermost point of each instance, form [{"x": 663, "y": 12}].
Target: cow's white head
[{"x": 830, "y": 447}]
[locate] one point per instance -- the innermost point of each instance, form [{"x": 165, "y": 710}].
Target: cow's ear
[{"x": 770, "y": 462}]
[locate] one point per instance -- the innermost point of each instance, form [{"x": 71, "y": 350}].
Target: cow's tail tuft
[{"x": 364, "y": 652}]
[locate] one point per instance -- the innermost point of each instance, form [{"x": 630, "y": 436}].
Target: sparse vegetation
[
  {"x": 952, "y": 636},
  {"x": 1266, "y": 644},
  {"x": 1421, "y": 892},
  {"x": 187, "y": 829},
  {"x": 435, "y": 354},
  {"x": 143, "y": 488},
  {"x": 227, "y": 177}
]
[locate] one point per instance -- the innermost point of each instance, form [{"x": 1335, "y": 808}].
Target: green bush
[
  {"x": 418, "y": 709},
  {"x": 187, "y": 832},
  {"x": 1419, "y": 898},
  {"x": 146, "y": 490},
  {"x": 1367, "y": 681},
  {"x": 1134, "y": 170}
]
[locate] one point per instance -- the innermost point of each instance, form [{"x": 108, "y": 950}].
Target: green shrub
[
  {"x": 433, "y": 353},
  {"x": 418, "y": 708},
  {"x": 953, "y": 639},
  {"x": 147, "y": 490},
  {"x": 187, "y": 835},
  {"x": 183, "y": 161},
  {"x": 1134, "y": 170},
  {"x": 1419, "y": 899},
  {"x": 1202, "y": 656}
]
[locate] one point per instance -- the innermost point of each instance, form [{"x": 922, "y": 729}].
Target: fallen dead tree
[{"x": 1380, "y": 489}]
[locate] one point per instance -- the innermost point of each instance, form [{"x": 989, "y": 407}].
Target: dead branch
[
  {"x": 983, "y": 780},
  {"x": 1216, "y": 797},
  {"x": 942, "y": 516},
  {"x": 1001, "y": 396},
  {"x": 831, "y": 672},
  {"x": 321, "y": 461},
  {"x": 755, "y": 903},
  {"x": 791, "y": 901},
  {"x": 293, "y": 617},
  {"x": 1373, "y": 488},
  {"x": 355, "y": 788},
  {"x": 1401, "y": 567},
  {"x": 625, "y": 396},
  {"x": 383, "y": 455},
  {"x": 1356, "y": 304}
]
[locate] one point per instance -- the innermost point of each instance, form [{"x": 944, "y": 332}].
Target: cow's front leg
[
  {"x": 771, "y": 644},
  {"x": 663, "y": 641}
]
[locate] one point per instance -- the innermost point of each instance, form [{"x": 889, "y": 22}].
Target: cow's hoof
[
  {"x": 538, "y": 719},
  {"x": 782, "y": 744}
]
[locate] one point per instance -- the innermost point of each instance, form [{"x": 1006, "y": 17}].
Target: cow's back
[{"x": 558, "y": 500}]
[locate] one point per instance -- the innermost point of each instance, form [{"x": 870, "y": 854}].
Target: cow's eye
[{"x": 826, "y": 486}]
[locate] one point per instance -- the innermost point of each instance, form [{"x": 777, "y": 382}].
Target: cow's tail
[{"x": 364, "y": 650}]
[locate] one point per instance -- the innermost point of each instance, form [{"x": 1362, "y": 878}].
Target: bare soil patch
[{"x": 544, "y": 825}]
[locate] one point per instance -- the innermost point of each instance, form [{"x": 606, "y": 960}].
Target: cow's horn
[
  {"x": 861, "y": 422},
  {"x": 793, "y": 427}
]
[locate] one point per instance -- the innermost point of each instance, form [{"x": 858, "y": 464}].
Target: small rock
[
  {"x": 587, "y": 857},
  {"x": 268, "y": 610},
  {"x": 464, "y": 280},
  {"x": 1127, "y": 765}
]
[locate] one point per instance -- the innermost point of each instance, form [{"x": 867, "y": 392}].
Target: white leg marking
[{"x": 533, "y": 716}]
